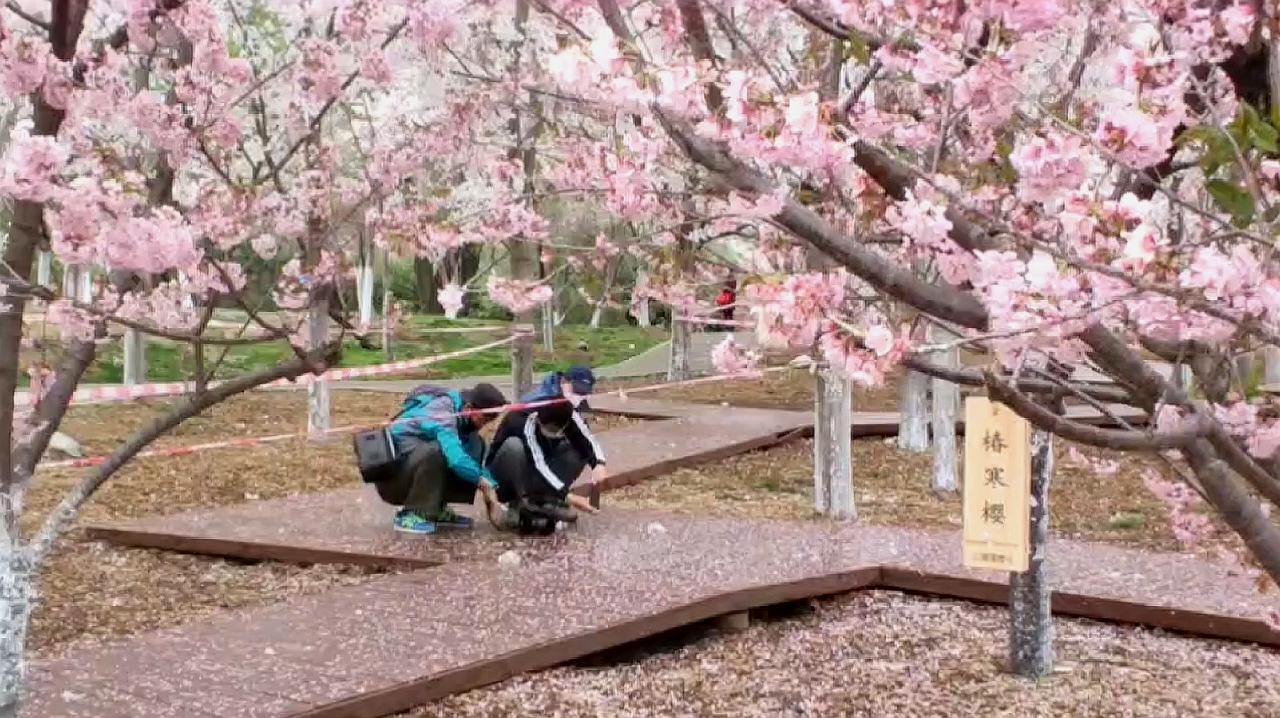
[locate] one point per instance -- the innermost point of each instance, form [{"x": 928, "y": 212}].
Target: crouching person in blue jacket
[{"x": 437, "y": 437}]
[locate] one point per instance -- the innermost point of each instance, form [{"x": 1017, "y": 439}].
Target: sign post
[{"x": 997, "y": 487}]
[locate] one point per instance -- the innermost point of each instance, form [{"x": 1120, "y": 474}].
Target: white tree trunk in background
[
  {"x": 318, "y": 405},
  {"x": 364, "y": 293},
  {"x": 1030, "y": 617},
  {"x": 388, "y": 351},
  {"x": 913, "y": 422},
  {"x": 135, "y": 357},
  {"x": 44, "y": 269},
  {"x": 946, "y": 404},
  {"x": 833, "y": 446},
  {"x": 548, "y": 317},
  {"x": 1271, "y": 365}
]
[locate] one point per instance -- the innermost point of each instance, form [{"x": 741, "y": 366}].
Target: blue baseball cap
[{"x": 581, "y": 378}]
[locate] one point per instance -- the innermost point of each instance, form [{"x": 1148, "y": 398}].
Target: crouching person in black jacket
[{"x": 537, "y": 455}]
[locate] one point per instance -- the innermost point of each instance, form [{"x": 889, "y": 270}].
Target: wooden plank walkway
[
  {"x": 397, "y": 641},
  {"x": 685, "y": 434}
]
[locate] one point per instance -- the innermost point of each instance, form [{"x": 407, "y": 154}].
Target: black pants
[
  {"x": 517, "y": 476},
  {"x": 424, "y": 483}
]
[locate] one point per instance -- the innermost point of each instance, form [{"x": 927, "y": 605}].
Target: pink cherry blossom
[
  {"x": 450, "y": 297},
  {"x": 728, "y": 357},
  {"x": 518, "y": 296}
]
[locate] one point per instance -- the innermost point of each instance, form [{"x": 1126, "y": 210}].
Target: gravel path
[{"x": 890, "y": 654}]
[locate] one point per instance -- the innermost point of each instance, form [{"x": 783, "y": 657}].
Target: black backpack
[{"x": 375, "y": 450}]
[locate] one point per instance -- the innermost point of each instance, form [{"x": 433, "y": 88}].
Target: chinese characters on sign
[{"x": 997, "y": 486}]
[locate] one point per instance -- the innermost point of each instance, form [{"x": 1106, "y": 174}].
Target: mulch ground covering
[
  {"x": 90, "y": 590},
  {"x": 853, "y": 656},
  {"x": 881, "y": 653}
]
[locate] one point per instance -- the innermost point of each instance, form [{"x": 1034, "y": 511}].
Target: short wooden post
[
  {"x": 679, "y": 365},
  {"x": 135, "y": 357},
  {"x": 833, "y": 446},
  {"x": 946, "y": 404},
  {"x": 522, "y": 361}
]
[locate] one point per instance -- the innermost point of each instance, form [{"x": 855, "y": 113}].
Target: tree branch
[
  {"x": 53, "y": 406},
  {"x": 1121, "y": 440},
  {"x": 695, "y": 28},
  {"x": 16, "y": 9},
  {"x": 939, "y": 300},
  {"x": 61, "y": 516},
  {"x": 976, "y": 378}
]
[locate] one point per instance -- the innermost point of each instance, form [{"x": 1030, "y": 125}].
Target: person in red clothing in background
[{"x": 725, "y": 301}]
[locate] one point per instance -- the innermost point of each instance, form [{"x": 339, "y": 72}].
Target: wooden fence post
[{"x": 522, "y": 361}]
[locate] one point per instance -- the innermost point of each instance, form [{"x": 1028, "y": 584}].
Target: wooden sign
[{"x": 997, "y": 486}]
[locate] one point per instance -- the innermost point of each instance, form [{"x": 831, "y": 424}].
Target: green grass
[
  {"x": 172, "y": 362},
  {"x": 1126, "y": 520}
]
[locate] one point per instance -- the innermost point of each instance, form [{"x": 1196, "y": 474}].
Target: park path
[
  {"x": 400, "y": 640},
  {"x": 467, "y": 618}
]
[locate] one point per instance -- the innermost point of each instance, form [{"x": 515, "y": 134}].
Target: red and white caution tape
[
  {"x": 353, "y": 429},
  {"x": 107, "y": 394}
]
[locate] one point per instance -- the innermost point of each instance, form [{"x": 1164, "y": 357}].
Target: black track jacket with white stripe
[{"x": 523, "y": 425}]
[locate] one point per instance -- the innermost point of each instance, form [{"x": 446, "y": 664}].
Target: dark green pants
[{"x": 424, "y": 483}]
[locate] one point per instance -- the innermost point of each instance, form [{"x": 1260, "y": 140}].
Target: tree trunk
[
  {"x": 610, "y": 275},
  {"x": 946, "y": 401},
  {"x": 1244, "y": 369},
  {"x": 44, "y": 270},
  {"x": 318, "y": 405},
  {"x": 1271, "y": 365},
  {"x": 135, "y": 357},
  {"x": 548, "y": 321},
  {"x": 364, "y": 296},
  {"x": 1030, "y": 619},
  {"x": 833, "y": 446},
  {"x": 15, "y": 616},
  {"x": 424, "y": 274},
  {"x": 388, "y": 348},
  {"x": 913, "y": 423}
]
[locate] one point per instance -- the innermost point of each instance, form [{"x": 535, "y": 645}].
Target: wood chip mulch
[
  {"x": 90, "y": 591},
  {"x": 876, "y": 654}
]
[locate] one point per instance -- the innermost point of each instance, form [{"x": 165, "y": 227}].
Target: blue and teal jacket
[{"x": 434, "y": 414}]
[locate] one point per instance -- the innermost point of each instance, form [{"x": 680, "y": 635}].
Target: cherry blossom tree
[
  {"x": 177, "y": 145},
  {"x": 1053, "y": 182}
]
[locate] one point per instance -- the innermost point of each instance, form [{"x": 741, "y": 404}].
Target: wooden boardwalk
[
  {"x": 466, "y": 619},
  {"x": 400, "y": 640}
]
